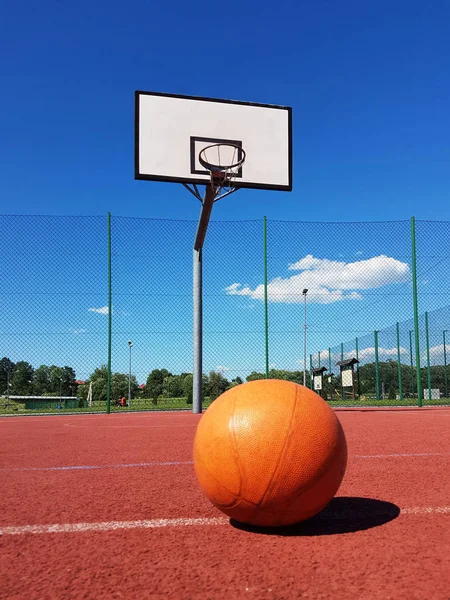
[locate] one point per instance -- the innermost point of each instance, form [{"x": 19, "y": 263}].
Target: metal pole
[
  {"x": 412, "y": 364},
  {"x": 357, "y": 368},
  {"x": 399, "y": 364},
  {"x": 108, "y": 391},
  {"x": 428, "y": 356},
  {"x": 331, "y": 374},
  {"x": 310, "y": 371},
  {"x": 305, "y": 291},
  {"x": 197, "y": 391},
  {"x": 416, "y": 310},
  {"x": 377, "y": 368},
  {"x": 266, "y": 304},
  {"x": 445, "y": 366},
  {"x": 130, "y": 344}
]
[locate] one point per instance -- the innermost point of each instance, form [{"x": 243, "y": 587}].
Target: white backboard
[{"x": 171, "y": 130}]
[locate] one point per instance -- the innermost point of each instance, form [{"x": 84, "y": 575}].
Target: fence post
[
  {"x": 399, "y": 364},
  {"x": 310, "y": 371},
  {"x": 377, "y": 367},
  {"x": 416, "y": 310},
  {"x": 266, "y": 305},
  {"x": 108, "y": 392},
  {"x": 331, "y": 373},
  {"x": 357, "y": 367},
  {"x": 412, "y": 364},
  {"x": 342, "y": 350},
  {"x": 445, "y": 366},
  {"x": 428, "y": 356}
]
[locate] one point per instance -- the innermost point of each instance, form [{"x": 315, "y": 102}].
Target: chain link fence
[{"x": 96, "y": 312}]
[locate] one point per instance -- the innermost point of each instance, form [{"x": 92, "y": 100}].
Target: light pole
[
  {"x": 305, "y": 291},
  {"x": 130, "y": 344}
]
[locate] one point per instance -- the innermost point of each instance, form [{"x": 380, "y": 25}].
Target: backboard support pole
[{"x": 197, "y": 391}]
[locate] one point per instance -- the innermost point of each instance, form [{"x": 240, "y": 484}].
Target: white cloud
[
  {"x": 437, "y": 353},
  {"x": 327, "y": 280},
  {"x": 382, "y": 353},
  {"x": 104, "y": 310},
  {"x": 222, "y": 369},
  {"x": 77, "y": 331}
]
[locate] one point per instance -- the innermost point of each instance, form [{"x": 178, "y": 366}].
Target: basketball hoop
[{"x": 224, "y": 162}]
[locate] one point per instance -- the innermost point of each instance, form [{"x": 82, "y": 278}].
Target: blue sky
[{"x": 368, "y": 84}]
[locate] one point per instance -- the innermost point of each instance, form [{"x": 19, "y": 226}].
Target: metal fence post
[
  {"x": 412, "y": 363},
  {"x": 428, "y": 356},
  {"x": 377, "y": 367},
  {"x": 399, "y": 364},
  {"x": 108, "y": 392},
  {"x": 416, "y": 310},
  {"x": 266, "y": 304},
  {"x": 357, "y": 367},
  {"x": 445, "y": 366}
]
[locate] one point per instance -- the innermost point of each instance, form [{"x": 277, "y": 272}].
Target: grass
[
  {"x": 146, "y": 404},
  {"x": 137, "y": 404}
]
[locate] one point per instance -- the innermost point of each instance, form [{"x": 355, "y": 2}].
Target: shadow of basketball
[{"x": 342, "y": 515}]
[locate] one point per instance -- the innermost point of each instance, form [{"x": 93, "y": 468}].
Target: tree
[
  {"x": 154, "y": 385},
  {"x": 42, "y": 381},
  {"x": 217, "y": 385},
  {"x": 254, "y": 375},
  {"x": 69, "y": 384},
  {"x": 6, "y": 372},
  {"x": 172, "y": 386},
  {"x": 188, "y": 382},
  {"x": 236, "y": 381},
  {"x": 22, "y": 379},
  {"x": 99, "y": 379}
]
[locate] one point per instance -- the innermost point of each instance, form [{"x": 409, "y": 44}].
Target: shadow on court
[{"x": 342, "y": 515}]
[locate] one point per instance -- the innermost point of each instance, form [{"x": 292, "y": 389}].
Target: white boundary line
[
  {"x": 190, "y": 462},
  {"x": 182, "y": 522}
]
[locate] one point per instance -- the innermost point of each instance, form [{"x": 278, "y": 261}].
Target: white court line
[
  {"x": 88, "y": 467},
  {"x": 159, "y": 523},
  {"x": 190, "y": 462},
  {"x": 131, "y": 426},
  {"x": 400, "y": 455}
]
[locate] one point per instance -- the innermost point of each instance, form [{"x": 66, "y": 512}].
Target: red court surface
[{"x": 107, "y": 506}]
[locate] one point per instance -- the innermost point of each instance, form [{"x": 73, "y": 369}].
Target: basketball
[{"x": 269, "y": 453}]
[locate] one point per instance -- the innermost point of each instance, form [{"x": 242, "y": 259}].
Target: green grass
[
  {"x": 166, "y": 404},
  {"x": 137, "y": 404}
]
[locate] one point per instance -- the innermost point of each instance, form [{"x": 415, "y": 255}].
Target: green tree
[
  {"x": 254, "y": 375},
  {"x": 42, "y": 381},
  {"x": 217, "y": 384},
  {"x": 6, "y": 373},
  {"x": 99, "y": 379},
  {"x": 22, "y": 379},
  {"x": 172, "y": 386},
  {"x": 69, "y": 385},
  {"x": 188, "y": 382},
  {"x": 154, "y": 385}
]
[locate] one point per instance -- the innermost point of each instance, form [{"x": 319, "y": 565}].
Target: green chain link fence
[{"x": 96, "y": 312}]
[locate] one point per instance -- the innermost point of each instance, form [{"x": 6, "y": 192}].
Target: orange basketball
[{"x": 270, "y": 453}]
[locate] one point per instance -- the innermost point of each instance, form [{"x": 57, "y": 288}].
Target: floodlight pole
[{"x": 197, "y": 391}]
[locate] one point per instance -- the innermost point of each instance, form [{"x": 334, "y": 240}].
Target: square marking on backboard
[{"x": 197, "y": 145}]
